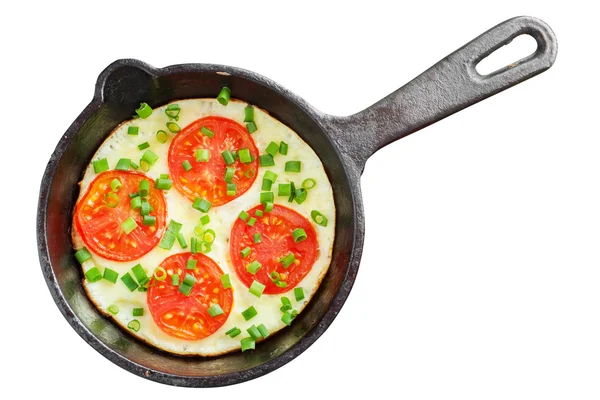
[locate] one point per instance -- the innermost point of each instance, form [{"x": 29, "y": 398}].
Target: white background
[{"x": 480, "y": 277}]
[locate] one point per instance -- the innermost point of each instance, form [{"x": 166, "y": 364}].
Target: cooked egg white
[{"x": 121, "y": 145}]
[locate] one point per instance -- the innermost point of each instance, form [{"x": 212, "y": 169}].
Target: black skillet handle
[{"x": 447, "y": 87}]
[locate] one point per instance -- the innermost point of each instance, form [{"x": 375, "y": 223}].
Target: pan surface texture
[{"x": 342, "y": 143}]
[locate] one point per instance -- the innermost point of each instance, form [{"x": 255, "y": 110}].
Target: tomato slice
[
  {"x": 276, "y": 229},
  {"x": 187, "y": 317},
  {"x": 100, "y": 225},
  {"x": 207, "y": 179}
]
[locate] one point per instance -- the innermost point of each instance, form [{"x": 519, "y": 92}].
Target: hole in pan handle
[{"x": 449, "y": 86}]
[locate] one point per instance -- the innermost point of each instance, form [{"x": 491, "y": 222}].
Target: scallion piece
[
  {"x": 113, "y": 309},
  {"x": 215, "y": 310},
  {"x": 287, "y": 260},
  {"x": 257, "y": 288},
  {"x": 284, "y": 189},
  {"x": 249, "y": 114},
  {"x": 202, "y": 155},
  {"x": 134, "y": 325},
  {"x": 299, "y": 293},
  {"x": 138, "y": 312},
  {"x": 163, "y": 184},
  {"x": 245, "y": 251},
  {"x": 225, "y": 281},
  {"x": 129, "y": 225},
  {"x": 257, "y": 238},
  {"x": 123, "y": 164},
  {"x": 207, "y": 132},
  {"x": 175, "y": 279},
  {"x": 266, "y": 160},
  {"x": 253, "y": 267},
  {"x": 263, "y": 330},
  {"x": 191, "y": 264},
  {"x": 110, "y": 275},
  {"x": 150, "y": 157},
  {"x": 251, "y": 221},
  {"x": 144, "y": 188},
  {"x": 168, "y": 240},
  {"x": 115, "y": 185},
  {"x": 319, "y": 218},
  {"x": 111, "y": 200},
  {"x": 173, "y": 111},
  {"x": 160, "y": 274},
  {"x": 293, "y": 192},
  {"x": 129, "y": 282},
  {"x": 231, "y": 189},
  {"x": 251, "y": 127},
  {"x": 144, "y": 111},
  {"x": 287, "y": 304},
  {"x": 143, "y": 146},
  {"x": 198, "y": 230},
  {"x": 229, "y": 173},
  {"x": 309, "y": 183},
  {"x": 133, "y": 130},
  {"x": 181, "y": 240},
  {"x": 140, "y": 274},
  {"x": 300, "y": 195},
  {"x": 268, "y": 206},
  {"x": 259, "y": 213},
  {"x": 162, "y": 136},
  {"x": 299, "y": 235},
  {"x": 245, "y": 155},
  {"x": 247, "y": 344},
  {"x": 233, "y": 332},
  {"x": 270, "y": 176},
  {"x": 224, "y": 95},
  {"x": 209, "y": 236},
  {"x": 249, "y": 313},
  {"x": 283, "y": 148},
  {"x": 193, "y": 245},
  {"x": 287, "y": 318},
  {"x": 201, "y": 204},
  {"x": 173, "y": 127},
  {"x": 228, "y": 157},
  {"x": 136, "y": 202},
  {"x": 244, "y": 215},
  {"x": 134, "y": 165},
  {"x": 100, "y": 165},
  {"x": 249, "y": 173},
  {"x": 253, "y": 332},
  {"x": 204, "y": 220},
  {"x": 266, "y": 184},
  {"x": 267, "y": 197},
  {"x": 204, "y": 247},
  {"x": 293, "y": 166},
  {"x": 93, "y": 274},
  {"x": 145, "y": 166},
  {"x": 186, "y": 165},
  {"x": 272, "y": 149}
]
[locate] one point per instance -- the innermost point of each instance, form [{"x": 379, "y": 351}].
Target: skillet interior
[{"x": 119, "y": 91}]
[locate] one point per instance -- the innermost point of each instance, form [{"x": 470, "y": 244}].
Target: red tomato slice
[
  {"x": 276, "y": 229},
  {"x": 187, "y": 317},
  {"x": 207, "y": 179},
  {"x": 100, "y": 225}
]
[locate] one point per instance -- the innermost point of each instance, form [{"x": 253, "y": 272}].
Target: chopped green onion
[
  {"x": 245, "y": 155},
  {"x": 160, "y": 274},
  {"x": 299, "y": 235},
  {"x": 100, "y": 165},
  {"x": 145, "y": 166},
  {"x": 144, "y": 188},
  {"x": 134, "y": 165},
  {"x": 319, "y": 218},
  {"x": 173, "y": 127},
  {"x": 193, "y": 245},
  {"x": 123, "y": 164},
  {"x": 144, "y": 111},
  {"x": 204, "y": 220},
  {"x": 270, "y": 176},
  {"x": 257, "y": 288},
  {"x": 257, "y": 238},
  {"x": 283, "y": 148},
  {"x": 215, "y": 310},
  {"x": 164, "y": 176},
  {"x": 233, "y": 332},
  {"x": 129, "y": 282},
  {"x": 247, "y": 344},
  {"x": 294, "y": 313},
  {"x": 170, "y": 235},
  {"x": 299, "y": 293},
  {"x": 249, "y": 114},
  {"x": 259, "y": 213},
  {"x": 249, "y": 173},
  {"x": 293, "y": 166},
  {"x": 266, "y": 160},
  {"x": 268, "y": 206},
  {"x": 188, "y": 283},
  {"x": 244, "y": 215},
  {"x": 202, "y": 155},
  {"x": 209, "y": 236},
  {"x": 225, "y": 281},
  {"x": 309, "y": 183},
  {"x": 115, "y": 185},
  {"x": 138, "y": 312},
  {"x": 251, "y": 221},
  {"x": 266, "y": 184},
  {"x": 163, "y": 184},
  {"x": 293, "y": 192},
  {"x": 284, "y": 189},
  {"x": 287, "y": 318},
  {"x": 172, "y": 111},
  {"x": 224, "y": 96},
  {"x": 253, "y": 267},
  {"x": 140, "y": 274},
  {"x": 136, "y": 202},
  {"x": 143, "y": 146},
  {"x": 133, "y": 195},
  {"x": 287, "y": 304},
  {"x": 280, "y": 284},
  {"x": 162, "y": 136},
  {"x": 93, "y": 274},
  {"x": 251, "y": 127},
  {"x": 245, "y": 251},
  {"x": 186, "y": 165},
  {"x": 129, "y": 225},
  {"x": 229, "y": 173},
  {"x": 287, "y": 260},
  {"x": 113, "y": 309},
  {"x": 134, "y": 325},
  {"x": 272, "y": 149},
  {"x": 175, "y": 279},
  {"x": 204, "y": 247},
  {"x": 181, "y": 240},
  {"x": 150, "y": 157},
  {"x": 191, "y": 264},
  {"x": 228, "y": 157},
  {"x": 198, "y": 230},
  {"x": 275, "y": 275},
  {"x": 133, "y": 130},
  {"x": 201, "y": 204},
  {"x": 249, "y": 313},
  {"x": 110, "y": 275},
  {"x": 263, "y": 330},
  {"x": 231, "y": 189},
  {"x": 267, "y": 197},
  {"x": 253, "y": 332},
  {"x": 207, "y": 132},
  {"x": 111, "y": 200},
  {"x": 300, "y": 195}
]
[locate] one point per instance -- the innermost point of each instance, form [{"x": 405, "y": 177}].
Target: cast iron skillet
[{"x": 342, "y": 143}]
